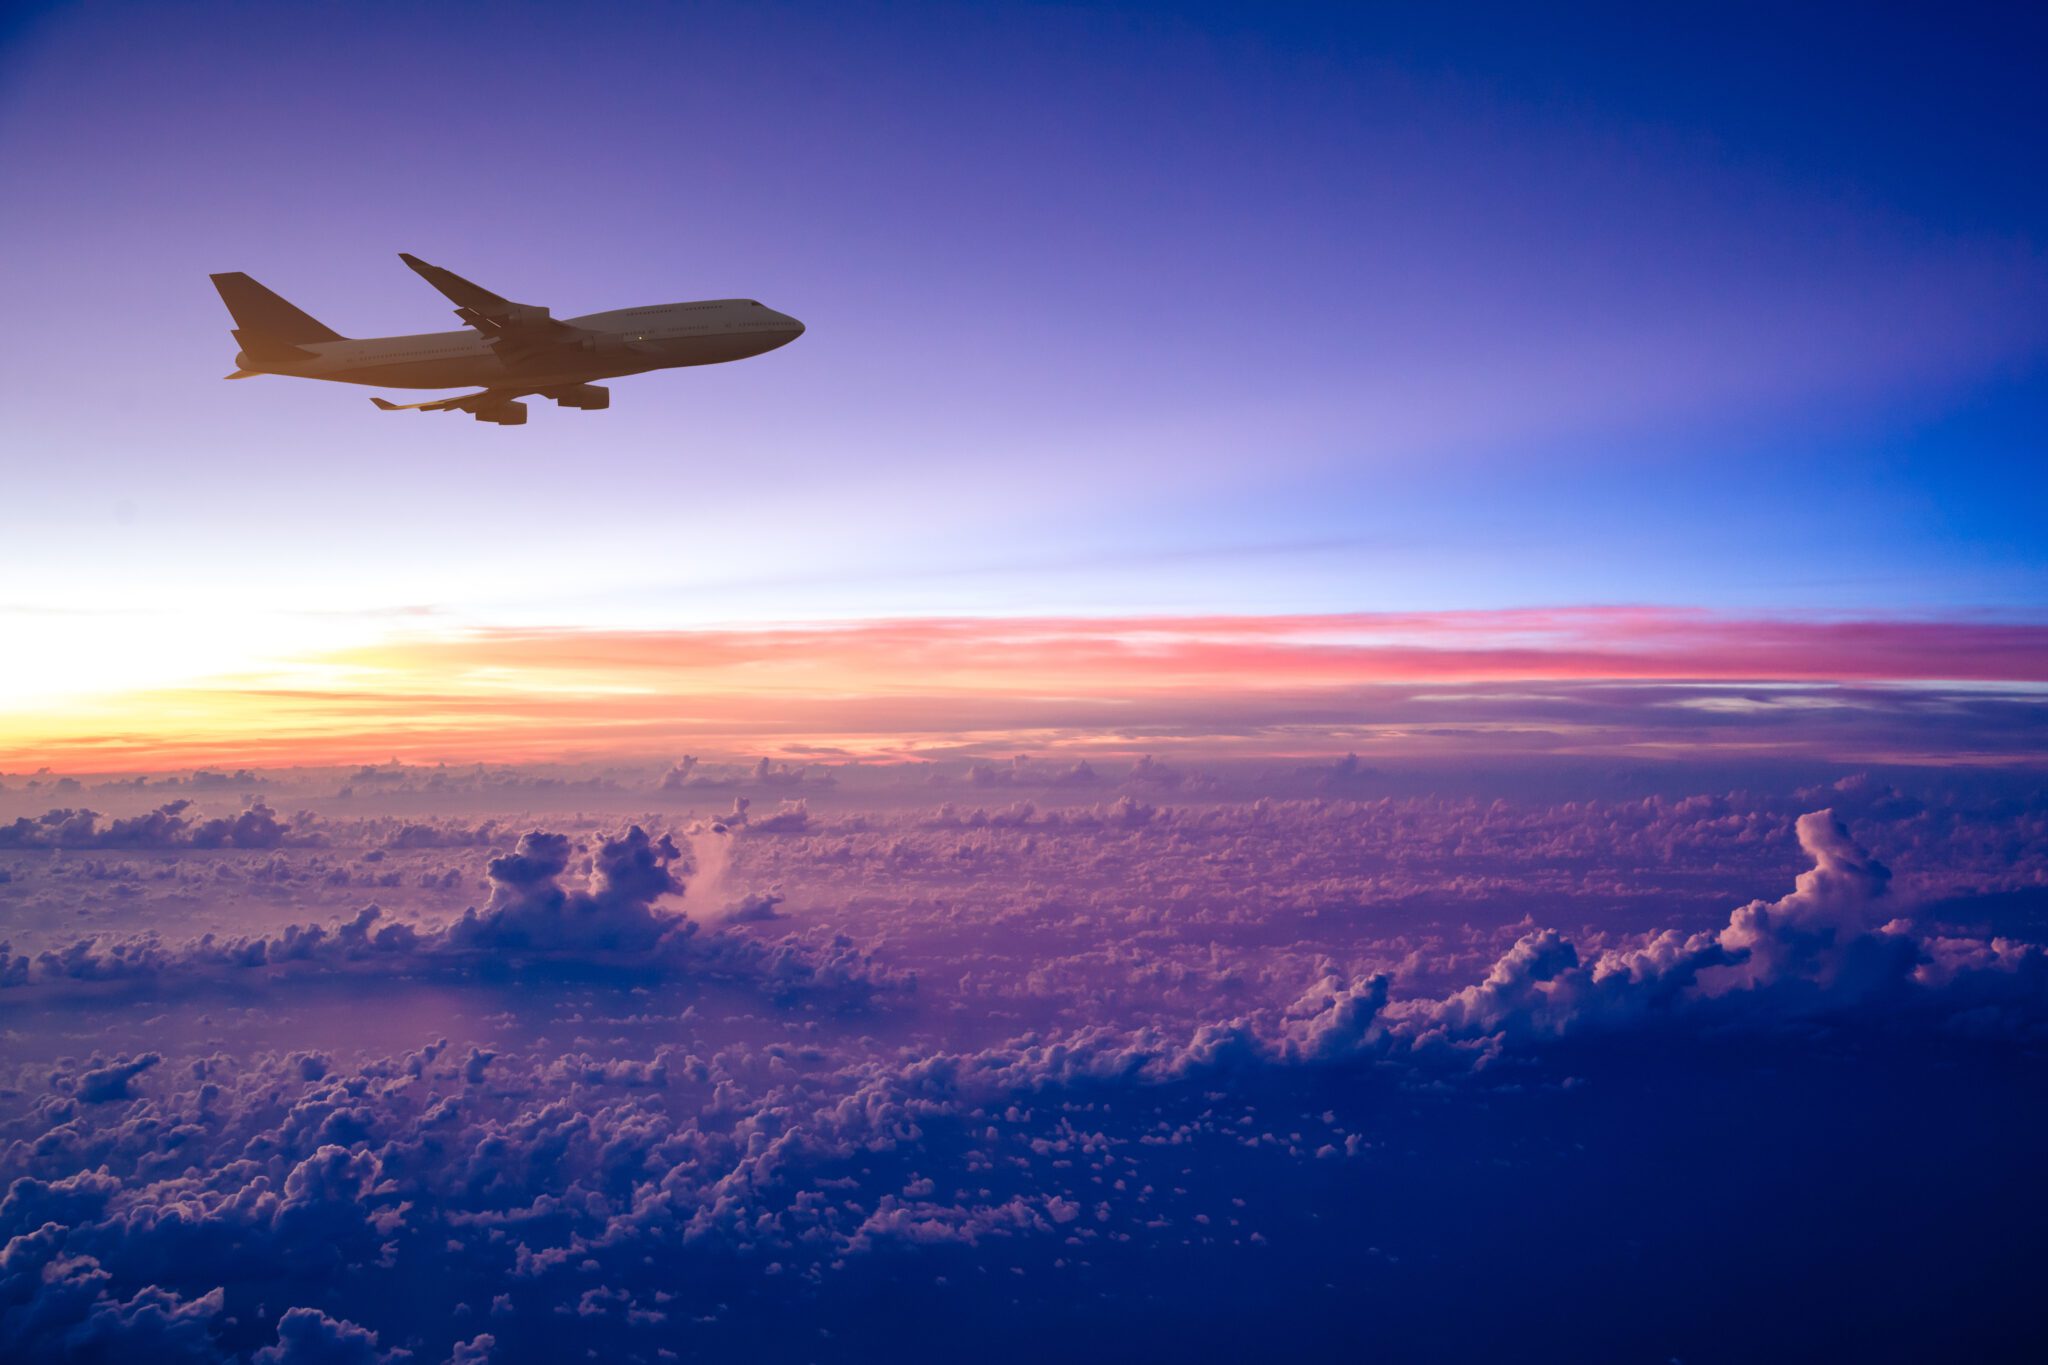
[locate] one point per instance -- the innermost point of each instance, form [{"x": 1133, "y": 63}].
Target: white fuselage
[{"x": 625, "y": 341}]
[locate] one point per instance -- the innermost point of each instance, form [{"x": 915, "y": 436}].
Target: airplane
[{"x": 512, "y": 350}]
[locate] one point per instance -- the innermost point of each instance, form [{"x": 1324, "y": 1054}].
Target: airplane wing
[{"x": 515, "y": 330}]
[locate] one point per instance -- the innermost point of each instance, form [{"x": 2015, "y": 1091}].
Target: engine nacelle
[
  {"x": 511, "y": 413},
  {"x": 589, "y": 397}
]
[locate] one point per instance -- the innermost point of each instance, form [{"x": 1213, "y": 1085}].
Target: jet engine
[
  {"x": 511, "y": 413},
  {"x": 589, "y": 397}
]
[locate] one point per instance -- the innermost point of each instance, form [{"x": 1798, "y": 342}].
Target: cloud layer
[{"x": 917, "y": 1061}]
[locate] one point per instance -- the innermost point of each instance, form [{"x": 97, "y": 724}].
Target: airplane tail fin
[{"x": 261, "y": 316}]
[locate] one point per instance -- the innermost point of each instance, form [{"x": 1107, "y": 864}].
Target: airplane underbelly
[
  {"x": 457, "y": 373},
  {"x": 716, "y": 350}
]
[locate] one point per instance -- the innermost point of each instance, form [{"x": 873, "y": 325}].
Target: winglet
[{"x": 385, "y": 404}]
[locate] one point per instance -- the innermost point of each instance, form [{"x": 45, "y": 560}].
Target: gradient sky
[
  {"x": 1375, "y": 663},
  {"x": 1113, "y": 311}
]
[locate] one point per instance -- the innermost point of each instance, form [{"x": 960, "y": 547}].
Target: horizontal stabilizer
[{"x": 242, "y": 374}]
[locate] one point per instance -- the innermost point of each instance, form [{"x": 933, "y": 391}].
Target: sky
[{"x": 1113, "y": 311}]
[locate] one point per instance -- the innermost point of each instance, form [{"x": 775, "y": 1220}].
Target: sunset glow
[{"x": 894, "y": 688}]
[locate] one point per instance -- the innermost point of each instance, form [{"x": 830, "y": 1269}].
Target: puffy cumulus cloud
[
  {"x": 478, "y": 1350},
  {"x": 240, "y": 778},
  {"x": 1016, "y": 772},
  {"x": 1149, "y": 772},
  {"x": 60, "y": 1307},
  {"x": 307, "y": 1336},
  {"x": 792, "y": 817},
  {"x": 691, "y": 773},
  {"x": 1829, "y": 928},
  {"x": 563, "y": 1179},
  {"x": 1335, "y": 1019},
  {"x": 755, "y": 907},
  {"x": 1828, "y": 945},
  {"x": 360, "y": 942},
  {"x": 531, "y": 924},
  {"x": 55, "y": 1305},
  {"x": 615, "y": 920},
  {"x": 530, "y": 910},
  {"x": 114, "y": 1081},
  {"x": 1022, "y": 770},
  {"x": 256, "y": 827},
  {"x": 168, "y": 826},
  {"x": 767, "y": 773},
  {"x": 338, "y": 1188},
  {"x": 1338, "y": 775}
]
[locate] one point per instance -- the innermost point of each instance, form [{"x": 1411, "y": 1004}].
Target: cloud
[
  {"x": 167, "y": 826},
  {"x": 1825, "y": 927},
  {"x": 1825, "y": 947},
  {"x": 1138, "y": 1015},
  {"x": 531, "y": 925},
  {"x": 792, "y": 817},
  {"x": 153, "y": 1324},
  {"x": 415, "y": 834},
  {"x": 756, "y": 907},
  {"x": 1149, "y": 772},
  {"x": 307, "y": 1336},
  {"x": 478, "y": 1350},
  {"x": 529, "y": 910},
  {"x": 115, "y": 1081}
]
